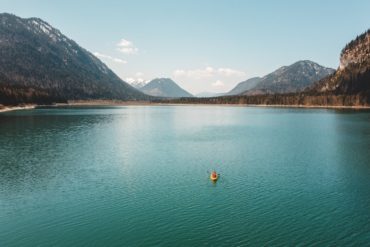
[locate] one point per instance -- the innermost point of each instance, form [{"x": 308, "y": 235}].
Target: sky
[{"x": 203, "y": 45}]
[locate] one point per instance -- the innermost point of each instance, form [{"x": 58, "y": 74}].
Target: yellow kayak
[{"x": 214, "y": 177}]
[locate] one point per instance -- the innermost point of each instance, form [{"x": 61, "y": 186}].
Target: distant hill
[
  {"x": 40, "y": 64},
  {"x": 138, "y": 84},
  {"x": 244, "y": 86},
  {"x": 164, "y": 87},
  {"x": 353, "y": 75},
  {"x": 290, "y": 79}
]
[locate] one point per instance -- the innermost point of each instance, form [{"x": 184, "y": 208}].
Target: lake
[{"x": 139, "y": 176}]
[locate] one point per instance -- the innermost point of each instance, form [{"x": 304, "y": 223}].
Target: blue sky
[{"x": 203, "y": 45}]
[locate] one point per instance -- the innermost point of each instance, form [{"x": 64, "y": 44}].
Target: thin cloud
[
  {"x": 230, "y": 72},
  {"x": 218, "y": 83},
  {"x": 208, "y": 72},
  {"x": 127, "y": 47},
  {"x": 107, "y": 57}
]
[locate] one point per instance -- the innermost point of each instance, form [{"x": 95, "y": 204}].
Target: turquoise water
[{"x": 138, "y": 176}]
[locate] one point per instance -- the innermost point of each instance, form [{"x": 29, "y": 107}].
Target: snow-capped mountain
[{"x": 137, "y": 83}]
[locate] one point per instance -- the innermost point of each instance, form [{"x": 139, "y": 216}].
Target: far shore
[
  {"x": 144, "y": 103},
  {"x": 100, "y": 103},
  {"x": 16, "y": 108}
]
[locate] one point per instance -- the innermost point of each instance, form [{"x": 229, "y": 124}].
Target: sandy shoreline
[{"x": 16, "y": 108}]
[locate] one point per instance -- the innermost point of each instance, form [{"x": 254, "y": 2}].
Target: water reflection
[{"x": 53, "y": 137}]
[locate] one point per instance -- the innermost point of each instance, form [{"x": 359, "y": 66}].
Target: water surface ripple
[{"x": 138, "y": 176}]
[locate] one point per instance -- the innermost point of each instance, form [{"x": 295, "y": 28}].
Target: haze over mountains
[
  {"x": 207, "y": 94},
  {"x": 287, "y": 79},
  {"x": 39, "y": 63}
]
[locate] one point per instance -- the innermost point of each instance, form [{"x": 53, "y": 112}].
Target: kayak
[{"x": 214, "y": 178}]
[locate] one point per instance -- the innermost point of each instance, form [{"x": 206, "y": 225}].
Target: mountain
[
  {"x": 244, "y": 86},
  {"x": 138, "y": 84},
  {"x": 348, "y": 86},
  {"x": 39, "y": 63},
  {"x": 290, "y": 79},
  {"x": 353, "y": 75},
  {"x": 164, "y": 87}
]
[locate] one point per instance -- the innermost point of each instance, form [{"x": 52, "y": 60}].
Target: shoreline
[
  {"x": 17, "y": 108},
  {"x": 314, "y": 106},
  {"x": 147, "y": 103}
]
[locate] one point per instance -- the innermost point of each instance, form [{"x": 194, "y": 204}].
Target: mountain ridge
[
  {"x": 41, "y": 60},
  {"x": 353, "y": 74},
  {"x": 244, "y": 86},
  {"x": 290, "y": 79}
]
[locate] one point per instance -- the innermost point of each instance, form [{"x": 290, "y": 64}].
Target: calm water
[{"x": 137, "y": 176}]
